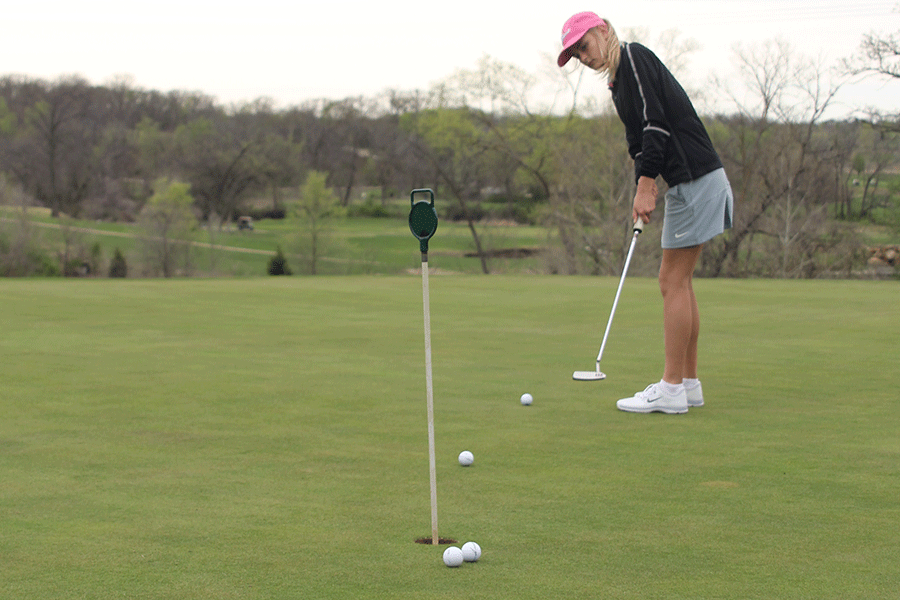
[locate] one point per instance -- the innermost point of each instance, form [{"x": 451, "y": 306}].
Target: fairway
[{"x": 267, "y": 439}]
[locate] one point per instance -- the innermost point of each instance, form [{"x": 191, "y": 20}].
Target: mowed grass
[{"x": 267, "y": 438}]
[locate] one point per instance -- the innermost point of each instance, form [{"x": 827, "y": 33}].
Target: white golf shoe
[
  {"x": 655, "y": 399},
  {"x": 694, "y": 395}
]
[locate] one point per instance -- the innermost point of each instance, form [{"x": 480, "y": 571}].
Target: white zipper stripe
[{"x": 641, "y": 91}]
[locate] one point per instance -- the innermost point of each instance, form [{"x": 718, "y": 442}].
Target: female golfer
[{"x": 665, "y": 138}]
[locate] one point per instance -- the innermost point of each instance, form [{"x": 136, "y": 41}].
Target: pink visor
[{"x": 573, "y": 30}]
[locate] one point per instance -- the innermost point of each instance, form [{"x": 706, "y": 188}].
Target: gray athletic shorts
[{"x": 697, "y": 211}]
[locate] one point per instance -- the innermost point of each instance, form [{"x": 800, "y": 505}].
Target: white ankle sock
[
  {"x": 671, "y": 388},
  {"x": 690, "y": 384}
]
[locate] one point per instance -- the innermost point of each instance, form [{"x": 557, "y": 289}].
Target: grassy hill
[
  {"x": 348, "y": 246},
  {"x": 354, "y": 245}
]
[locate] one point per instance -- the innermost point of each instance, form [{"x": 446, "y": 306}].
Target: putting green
[{"x": 267, "y": 438}]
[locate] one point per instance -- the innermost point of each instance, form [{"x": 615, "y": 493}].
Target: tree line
[{"x": 800, "y": 181}]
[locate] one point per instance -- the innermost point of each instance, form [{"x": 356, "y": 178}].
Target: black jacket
[{"x": 665, "y": 136}]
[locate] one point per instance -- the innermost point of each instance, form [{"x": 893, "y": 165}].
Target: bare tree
[
  {"x": 776, "y": 160},
  {"x": 487, "y": 133},
  {"x": 17, "y": 233},
  {"x": 879, "y": 154},
  {"x": 880, "y": 55},
  {"x": 217, "y": 158},
  {"x": 57, "y": 158}
]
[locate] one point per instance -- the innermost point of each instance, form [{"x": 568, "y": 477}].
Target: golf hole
[{"x": 441, "y": 541}]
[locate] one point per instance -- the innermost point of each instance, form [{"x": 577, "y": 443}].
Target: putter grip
[{"x": 638, "y": 225}]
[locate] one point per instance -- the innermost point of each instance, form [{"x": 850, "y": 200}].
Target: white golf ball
[
  {"x": 466, "y": 458},
  {"x": 471, "y": 552},
  {"x": 453, "y": 556},
  {"x": 526, "y": 399}
]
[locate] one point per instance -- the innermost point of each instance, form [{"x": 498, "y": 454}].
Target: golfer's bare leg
[
  {"x": 690, "y": 359},
  {"x": 681, "y": 317}
]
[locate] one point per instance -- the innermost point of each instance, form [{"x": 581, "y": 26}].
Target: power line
[{"x": 705, "y": 11}]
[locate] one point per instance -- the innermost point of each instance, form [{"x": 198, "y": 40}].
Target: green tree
[
  {"x": 7, "y": 118},
  {"x": 589, "y": 205},
  {"x": 167, "y": 220},
  {"x": 318, "y": 205},
  {"x": 153, "y": 145},
  {"x": 452, "y": 142}
]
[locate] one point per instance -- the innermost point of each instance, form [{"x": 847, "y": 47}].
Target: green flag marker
[{"x": 423, "y": 219}]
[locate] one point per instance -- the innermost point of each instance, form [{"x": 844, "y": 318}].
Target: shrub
[
  {"x": 118, "y": 266},
  {"x": 96, "y": 257},
  {"x": 455, "y": 213},
  {"x": 42, "y": 264},
  {"x": 371, "y": 209},
  {"x": 278, "y": 264},
  {"x": 258, "y": 214}
]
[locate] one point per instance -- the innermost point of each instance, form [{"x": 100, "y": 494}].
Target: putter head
[{"x": 588, "y": 375}]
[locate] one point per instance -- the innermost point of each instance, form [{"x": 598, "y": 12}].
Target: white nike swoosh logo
[{"x": 680, "y": 235}]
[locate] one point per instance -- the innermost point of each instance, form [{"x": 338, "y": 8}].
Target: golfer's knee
[{"x": 670, "y": 283}]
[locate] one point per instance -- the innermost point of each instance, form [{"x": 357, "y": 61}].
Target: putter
[
  {"x": 423, "y": 222},
  {"x": 597, "y": 374}
]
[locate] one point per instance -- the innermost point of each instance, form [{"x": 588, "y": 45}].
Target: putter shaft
[
  {"x": 618, "y": 293},
  {"x": 579, "y": 375}
]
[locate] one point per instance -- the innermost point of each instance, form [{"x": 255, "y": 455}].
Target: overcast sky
[{"x": 303, "y": 49}]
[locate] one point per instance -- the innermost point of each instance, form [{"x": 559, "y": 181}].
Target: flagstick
[{"x": 430, "y": 401}]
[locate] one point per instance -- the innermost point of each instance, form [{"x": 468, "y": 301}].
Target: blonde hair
[{"x": 613, "y": 48}]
